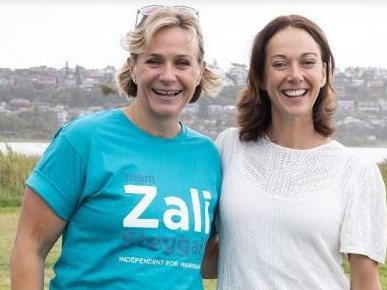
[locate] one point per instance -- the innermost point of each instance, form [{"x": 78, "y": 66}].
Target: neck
[
  {"x": 296, "y": 136},
  {"x": 164, "y": 128}
]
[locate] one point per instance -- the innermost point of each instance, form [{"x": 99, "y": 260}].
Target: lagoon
[{"x": 376, "y": 154}]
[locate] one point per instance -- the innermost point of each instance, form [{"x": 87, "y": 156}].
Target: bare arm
[
  {"x": 364, "y": 273},
  {"x": 210, "y": 260},
  {"x": 38, "y": 229}
]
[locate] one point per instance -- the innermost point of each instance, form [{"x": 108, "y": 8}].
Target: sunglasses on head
[{"x": 148, "y": 10}]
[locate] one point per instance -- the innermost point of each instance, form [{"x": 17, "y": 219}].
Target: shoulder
[
  {"x": 82, "y": 131},
  {"x": 228, "y": 144},
  {"x": 199, "y": 140},
  {"x": 350, "y": 156},
  {"x": 88, "y": 125},
  {"x": 191, "y": 133},
  {"x": 355, "y": 166},
  {"x": 197, "y": 137},
  {"x": 92, "y": 119},
  {"x": 230, "y": 135}
]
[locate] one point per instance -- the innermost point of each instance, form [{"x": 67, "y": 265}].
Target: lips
[
  {"x": 294, "y": 93},
  {"x": 169, "y": 93}
]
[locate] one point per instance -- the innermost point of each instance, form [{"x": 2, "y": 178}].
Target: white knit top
[{"x": 287, "y": 217}]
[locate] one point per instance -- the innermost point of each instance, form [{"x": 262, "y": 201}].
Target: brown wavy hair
[{"x": 254, "y": 105}]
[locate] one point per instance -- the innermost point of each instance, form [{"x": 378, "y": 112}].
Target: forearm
[
  {"x": 364, "y": 274},
  {"x": 38, "y": 230},
  {"x": 27, "y": 271},
  {"x": 210, "y": 260},
  {"x": 358, "y": 283},
  {"x": 364, "y": 285}
]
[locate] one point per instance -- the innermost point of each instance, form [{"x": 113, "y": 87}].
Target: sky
[{"x": 88, "y": 32}]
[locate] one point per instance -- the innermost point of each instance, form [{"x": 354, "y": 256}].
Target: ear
[
  {"x": 131, "y": 67},
  {"x": 202, "y": 68},
  {"x": 323, "y": 79}
]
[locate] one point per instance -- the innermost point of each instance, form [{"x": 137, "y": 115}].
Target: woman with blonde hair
[{"x": 132, "y": 191}]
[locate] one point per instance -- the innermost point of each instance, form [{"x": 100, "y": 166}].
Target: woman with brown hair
[{"x": 295, "y": 202}]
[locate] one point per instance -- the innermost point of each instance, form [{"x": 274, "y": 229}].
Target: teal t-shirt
[{"x": 139, "y": 208}]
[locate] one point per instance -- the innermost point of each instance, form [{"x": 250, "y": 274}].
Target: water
[
  {"x": 28, "y": 148},
  {"x": 37, "y": 148}
]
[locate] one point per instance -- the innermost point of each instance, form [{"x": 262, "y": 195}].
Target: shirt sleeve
[
  {"x": 59, "y": 176},
  {"x": 364, "y": 226}
]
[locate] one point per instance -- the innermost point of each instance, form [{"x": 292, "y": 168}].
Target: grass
[
  {"x": 8, "y": 222},
  {"x": 14, "y": 169}
]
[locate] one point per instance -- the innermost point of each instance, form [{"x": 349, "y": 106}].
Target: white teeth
[
  {"x": 170, "y": 93},
  {"x": 296, "y": 93}
]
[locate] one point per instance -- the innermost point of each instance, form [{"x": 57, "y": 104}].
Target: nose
[
  {"x": 168, "y": 72},
  {"x": 296, "y": 73}
]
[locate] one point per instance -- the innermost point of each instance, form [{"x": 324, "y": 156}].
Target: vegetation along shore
[{"x": 14, "y": 169}]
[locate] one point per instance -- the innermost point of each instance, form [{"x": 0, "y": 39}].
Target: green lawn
[{"x": 8, "y": 221}]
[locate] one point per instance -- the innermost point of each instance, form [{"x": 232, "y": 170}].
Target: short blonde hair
[{"x": 138, "y": 41}]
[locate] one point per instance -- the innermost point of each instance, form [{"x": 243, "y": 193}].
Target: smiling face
[
  {"x": 294, "y": 74},
  {"x": 167, "y": 74}
]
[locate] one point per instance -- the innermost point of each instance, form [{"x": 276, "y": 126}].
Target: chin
[{"x": 165, "y": 113}]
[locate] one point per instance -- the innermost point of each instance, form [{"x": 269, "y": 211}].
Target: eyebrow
[
  {"x": 176, "y": 56},
  {"x": 316, "y": 54}
]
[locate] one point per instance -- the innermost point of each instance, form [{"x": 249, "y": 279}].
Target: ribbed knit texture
[{"x": 288, "y": 217}]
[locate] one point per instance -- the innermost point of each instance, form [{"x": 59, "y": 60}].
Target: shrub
[{"x": 14, "y": 170}]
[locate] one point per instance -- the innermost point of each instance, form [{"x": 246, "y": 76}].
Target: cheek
[
  {"x": 270, "y": 83},
  {"x": 197, "y": 73},
  {"x": 192, "y": 78},
  {"x": 321, "y": 76}
]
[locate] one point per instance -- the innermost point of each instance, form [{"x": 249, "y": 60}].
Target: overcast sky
[{"x": 88, "y": 32}]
